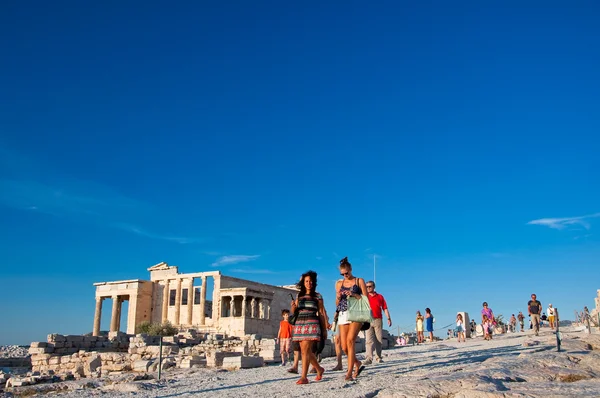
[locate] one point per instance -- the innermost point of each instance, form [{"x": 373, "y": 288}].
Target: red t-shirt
[
  {"x": 285, "y": 330},
  {"x": 377, "y": 303}
]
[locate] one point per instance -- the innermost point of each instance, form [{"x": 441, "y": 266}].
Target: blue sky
[{"x": 456, "y": 143}]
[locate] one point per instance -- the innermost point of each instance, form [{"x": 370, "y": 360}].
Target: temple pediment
[{"x": 160, "y": 267}]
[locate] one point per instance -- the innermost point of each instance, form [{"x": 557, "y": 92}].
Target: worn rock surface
[{"x": 512, "y": 365}]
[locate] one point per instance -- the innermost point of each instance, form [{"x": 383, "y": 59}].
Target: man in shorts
[
  {"x": 535, "y": 310},
  {"x": 551, "y": 316},
  {"x": 521, "y": 319}
]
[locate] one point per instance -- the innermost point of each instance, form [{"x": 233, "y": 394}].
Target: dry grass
[{"x": 571, "y": 378}]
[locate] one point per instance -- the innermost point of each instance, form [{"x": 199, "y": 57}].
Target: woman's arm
[
  {"x": 363, "y": 286},
  {"x": 338, "y": 285},
  {"x": 323, "y": 313}
]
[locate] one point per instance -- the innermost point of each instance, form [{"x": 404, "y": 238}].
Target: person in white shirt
[{"x": 551, "y": 317}]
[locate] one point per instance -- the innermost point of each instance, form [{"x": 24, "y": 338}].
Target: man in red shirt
[{"x": 375, "y": 333}]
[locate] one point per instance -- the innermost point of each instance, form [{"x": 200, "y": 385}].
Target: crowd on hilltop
[
  {"x": 358, "y": 306},
  {"x": 304, "y": 327}
]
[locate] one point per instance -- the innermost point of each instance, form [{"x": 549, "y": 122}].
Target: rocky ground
[
  {"x": 511, "y": 365},
  {"x": 13, "y": 351}
]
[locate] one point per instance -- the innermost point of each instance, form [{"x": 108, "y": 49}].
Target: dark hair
[
  {"x": 484, "y": 304},
  {"x": 313, "y": 276},
  {"x": 283, "y": 312},
  {"x": 427, "y": 310},
  {"x": 344, "y": 263}
]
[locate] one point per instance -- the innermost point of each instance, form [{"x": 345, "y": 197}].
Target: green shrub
[{"x": 157, "y": 329}]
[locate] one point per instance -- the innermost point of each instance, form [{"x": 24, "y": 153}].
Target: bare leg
[
  {"x": 338, "y": 352},
  {"x": 306, "y": 349},
  {"x": 351, "y": 335}
]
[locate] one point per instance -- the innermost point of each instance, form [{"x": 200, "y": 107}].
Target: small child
[
  {"x": 460, "y": 328},
  {"x": 285, "y": 336},
  {"x": 487, "y": 326}
]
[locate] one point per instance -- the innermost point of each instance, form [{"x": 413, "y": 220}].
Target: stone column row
[
  {"x": 264, "y": 307},
  {"x": 178, "y": 300},
  {"x": 115, "y": 319}
]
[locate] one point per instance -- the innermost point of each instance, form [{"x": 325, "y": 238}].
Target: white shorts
[{"x": 343, "y": 318}]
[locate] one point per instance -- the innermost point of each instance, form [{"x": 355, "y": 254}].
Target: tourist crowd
[{"x": 304, "y": 328}]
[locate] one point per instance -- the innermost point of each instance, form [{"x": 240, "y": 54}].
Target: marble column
[
  {"x": 268, "y": 310},
  {"x": 165, "y": 303},
  {"x": 190, "y": 301},
  {"x": 244, "y": 309},
  {"x": 114, "y": 314},
  {"x": 119, "y": 307},
  {"x": 97, "y": 317},
  {"x": 203, "y": 302},
  {"x": 253, "y": 307},
  {"x": 261, "y": 309},
  {"x": 178, "y": 303}
]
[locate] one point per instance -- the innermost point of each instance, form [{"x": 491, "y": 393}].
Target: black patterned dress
[{"x": 308, "y": 326}]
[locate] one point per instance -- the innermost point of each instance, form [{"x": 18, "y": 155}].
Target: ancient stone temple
[{"x": 236, "y": 307}]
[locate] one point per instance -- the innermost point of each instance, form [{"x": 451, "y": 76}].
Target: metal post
[
  {"x": 374, "y": 264},
  {"x": 159, "y": 356},
  {"x": 558, "y": 335}
]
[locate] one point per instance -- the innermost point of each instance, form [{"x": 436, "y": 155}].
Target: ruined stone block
[{"x": 242, "y": 362}]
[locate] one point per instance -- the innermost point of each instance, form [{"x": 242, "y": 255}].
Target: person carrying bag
[{"x": 359, "y": 310}]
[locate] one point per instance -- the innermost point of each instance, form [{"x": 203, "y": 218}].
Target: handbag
[
  {"x": 294, "y": 317},
  {"x": 359, "y": 310}
]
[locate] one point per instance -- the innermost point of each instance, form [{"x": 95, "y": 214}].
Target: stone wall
[{"x": 88, "y": 356}]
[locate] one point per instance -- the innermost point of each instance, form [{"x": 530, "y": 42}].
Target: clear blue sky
[{"x": 457, "y": 143}]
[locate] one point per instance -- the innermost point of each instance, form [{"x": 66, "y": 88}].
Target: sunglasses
[
  {"x": 344, "y": 273},
  {"x": 369, "y": 286}
]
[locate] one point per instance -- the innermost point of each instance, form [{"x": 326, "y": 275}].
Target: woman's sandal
[
  {"x": 360, "y": 369},
  {"x": 292, "y": 370},
  {"x": 349, "y": 378},
  {"x": 337, "y": 368},
  {"x": 320, "y": 374},
  {"x": 302, "y": 381}
]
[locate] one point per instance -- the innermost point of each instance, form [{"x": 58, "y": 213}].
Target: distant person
[
  {"x": 307, "y": 329},
  {"x": 512, "y": 323},
  {"x": 486, "y": 324},
  {"x": 374, "y": 335},
  {"x": 535, "y": 309},
  {"x": 284, "y": 336},
  {"x": 543, "y": 319},
  {"x": 429, "y": 323},
  {"x": 460, "y": 328},
  {"x": 420, "y": 336},
  {"x": 487, "y": 311},
  {"x": 350, "y": 286},
  {"x": 521, "y": 319},
  {"x": 551, "y": 316},
  {"x": 473, "y": 328}
]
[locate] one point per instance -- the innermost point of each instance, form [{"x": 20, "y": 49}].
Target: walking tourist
[
  {"x": 307, "y": 329},
  {"x": 521, "y": 319},
  {"x": 429, "y": 323},
  {"x": 350, "y": 286},
  {"x": 284, "y": 336},
  {"x": 460, "y": 328},
  {"x": 374, "y": 335},
  {"x": 486, "y": 323},
  {"x": 512, "y": 323},
  {"x": 420, "y": 336},
  {"x": 487, "y": 311},
  {"x": 551, "y": 316},
  {"x": 535, "y": 309}
]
